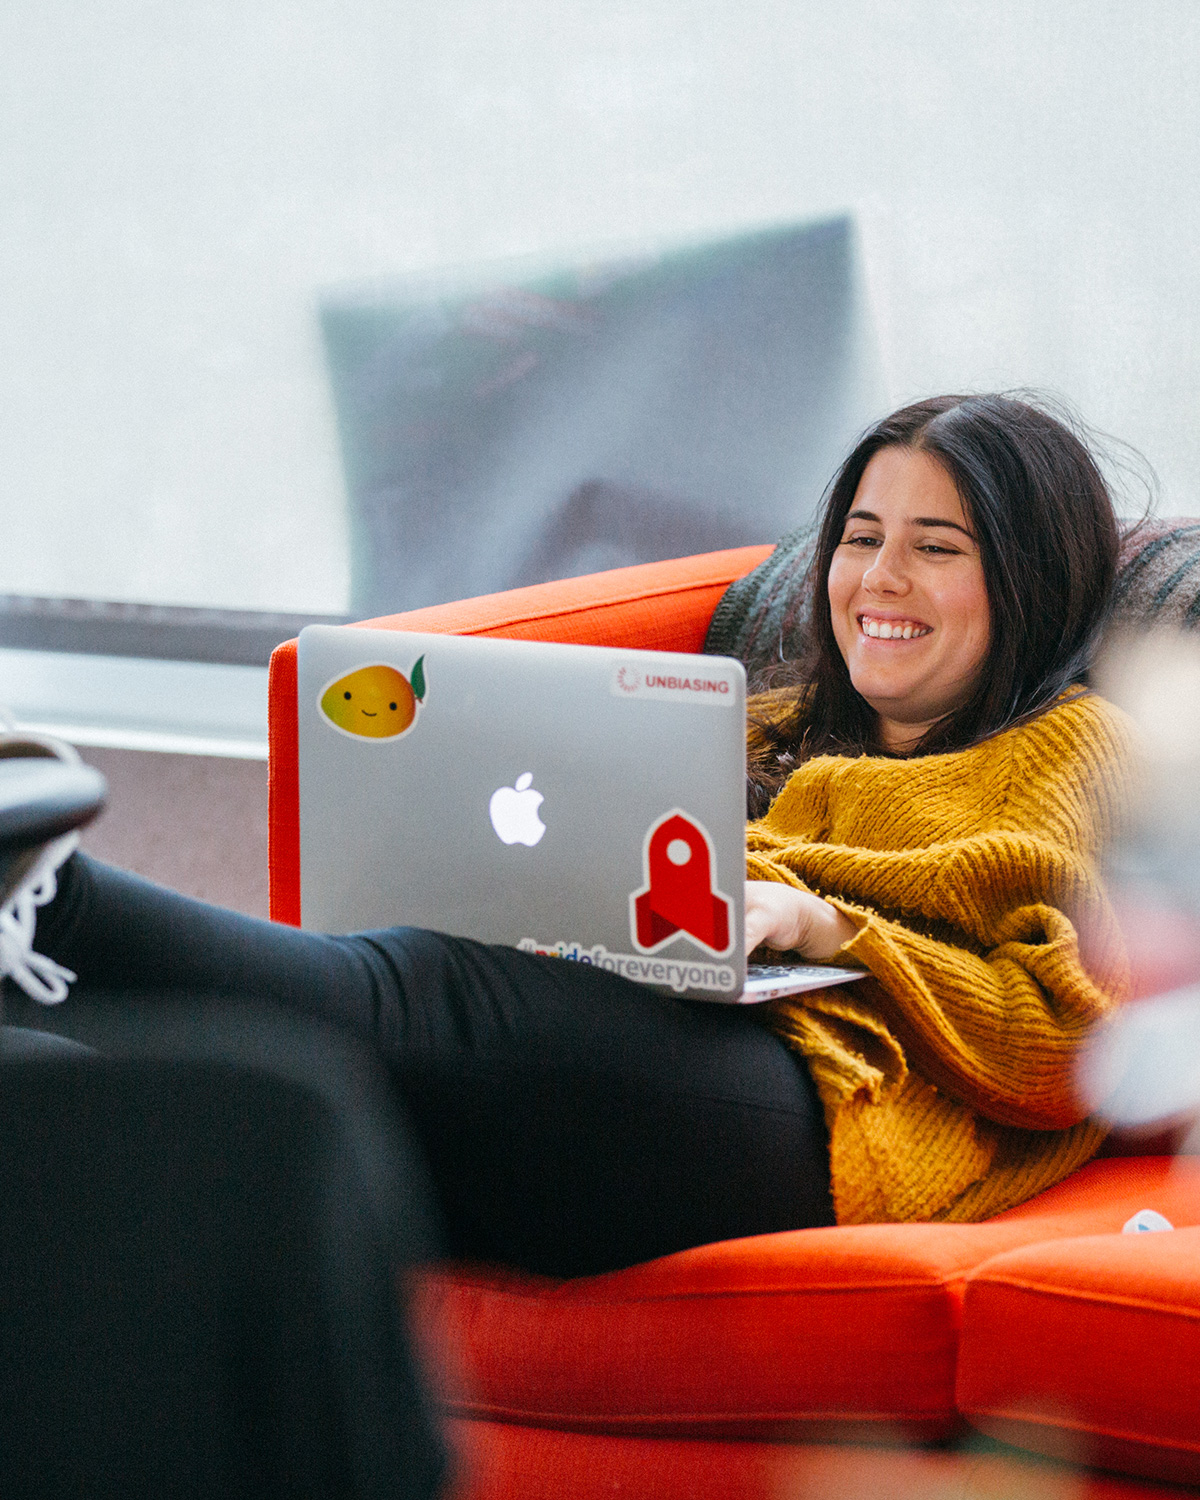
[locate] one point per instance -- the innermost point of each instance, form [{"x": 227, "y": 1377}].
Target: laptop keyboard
[{"x": 784, "y": 971}]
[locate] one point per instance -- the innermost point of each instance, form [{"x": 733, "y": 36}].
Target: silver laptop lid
[{"x": 581, "y": 800}]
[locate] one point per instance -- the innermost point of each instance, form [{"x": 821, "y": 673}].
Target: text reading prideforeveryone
[{"x": 678, "y": 973}]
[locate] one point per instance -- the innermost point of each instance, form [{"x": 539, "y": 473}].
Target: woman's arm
[
  {"x": 997, "y": 1030},
  {"x": 989, "y": 1001}
]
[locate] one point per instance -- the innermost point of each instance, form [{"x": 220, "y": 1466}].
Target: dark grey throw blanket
[{"x": 762, "y": 619}]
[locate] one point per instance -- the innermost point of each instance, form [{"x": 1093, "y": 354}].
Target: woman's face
[{"x": 907, "y": 595}]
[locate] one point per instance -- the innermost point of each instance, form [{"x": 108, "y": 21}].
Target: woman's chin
[{"x": 887, "y": 696}]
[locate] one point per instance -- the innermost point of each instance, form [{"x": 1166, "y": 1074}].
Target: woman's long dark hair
[{"x": 1048, "y": 540}]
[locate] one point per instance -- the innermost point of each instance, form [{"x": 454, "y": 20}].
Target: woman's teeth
[{"x": 890, "y": 630}]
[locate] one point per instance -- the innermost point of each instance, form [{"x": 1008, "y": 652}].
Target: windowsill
[
  {"x": 131, "y": 703},
  {"x": 177, "y": 679},
  {"x": 158, "y": 632}
]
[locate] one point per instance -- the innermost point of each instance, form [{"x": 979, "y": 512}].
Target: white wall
[{"x": 179, "y": 181}]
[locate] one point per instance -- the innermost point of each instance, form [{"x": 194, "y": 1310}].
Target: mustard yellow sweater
[{"x": 946, "y": 1075}]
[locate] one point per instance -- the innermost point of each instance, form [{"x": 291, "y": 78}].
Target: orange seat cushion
[
  {"x": 498, "y": 1461},
  {"x": 817, "y": 1332},
  {"x": 1089, "y": 1349}
]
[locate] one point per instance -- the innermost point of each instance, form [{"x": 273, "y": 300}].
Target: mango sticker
[{"x": 376, "y": 702}]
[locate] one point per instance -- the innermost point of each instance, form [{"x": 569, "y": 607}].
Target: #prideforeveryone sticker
[{"x": 680, "y": 973}]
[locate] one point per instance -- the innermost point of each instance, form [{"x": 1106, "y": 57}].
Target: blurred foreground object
[
  {"x": 201, "y": 1227},
  {"x": 46, "y": 795},
  {"x": 1155, "y": 677},
  {"x": 1141, "y": 1069},
  {"x": 40, "y": 799}
]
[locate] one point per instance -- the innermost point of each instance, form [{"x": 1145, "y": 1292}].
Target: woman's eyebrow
[{"x": 869, "y": 515}]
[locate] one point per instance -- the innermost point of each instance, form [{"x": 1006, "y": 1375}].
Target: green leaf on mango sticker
[{"x": 417, "y": 679}]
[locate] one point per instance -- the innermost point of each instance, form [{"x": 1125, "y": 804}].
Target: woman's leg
[
  {"x": 574, "y": 1122},
  {"x": 577, "y": 1122},
  {"x": 119, "y": 932}
]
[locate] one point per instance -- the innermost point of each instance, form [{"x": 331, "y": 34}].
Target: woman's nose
[{"x": 886, "y": 575}]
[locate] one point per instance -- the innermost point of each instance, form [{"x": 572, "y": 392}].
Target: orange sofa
[{"x": 828, "y": 1363}]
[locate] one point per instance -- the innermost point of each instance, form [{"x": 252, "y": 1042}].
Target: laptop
[{"x": 581, "y": 801}]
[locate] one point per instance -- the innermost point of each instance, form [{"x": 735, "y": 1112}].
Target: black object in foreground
[{"x": 41, "y": 799}]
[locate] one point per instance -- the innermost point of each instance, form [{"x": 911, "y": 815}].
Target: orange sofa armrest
[{"x": 665, "y": 606}]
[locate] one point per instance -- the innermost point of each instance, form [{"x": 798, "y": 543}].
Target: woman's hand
[{"x": 793, "y": 921}]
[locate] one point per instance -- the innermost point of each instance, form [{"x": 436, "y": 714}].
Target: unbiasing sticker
[{"x": 710, "y": 686}]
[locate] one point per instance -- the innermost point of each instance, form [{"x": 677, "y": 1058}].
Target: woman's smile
[
  {"x": 907, "y": 595},
  {"x": 884, "y": 628}
]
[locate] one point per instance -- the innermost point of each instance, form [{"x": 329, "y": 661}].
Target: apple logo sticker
[{"x": 514, "y": 812}]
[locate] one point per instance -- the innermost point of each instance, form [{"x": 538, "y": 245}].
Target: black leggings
[{"x": 574, "y": 1122}]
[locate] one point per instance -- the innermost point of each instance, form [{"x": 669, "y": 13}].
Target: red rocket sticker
[{"x": 680, "y": 897}]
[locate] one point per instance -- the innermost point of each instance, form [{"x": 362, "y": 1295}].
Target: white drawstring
[{"x": 40, "y": 977}]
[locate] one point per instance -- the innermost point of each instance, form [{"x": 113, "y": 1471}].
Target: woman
[
  {"x": 941, "y": 785},
  {"x": 957, "y": 785}
]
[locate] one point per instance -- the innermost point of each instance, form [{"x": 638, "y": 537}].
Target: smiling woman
[
  {"x": 985, "y": 524},
  {"x": 936, "y": 793}
]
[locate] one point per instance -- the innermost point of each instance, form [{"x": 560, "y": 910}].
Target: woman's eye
[{"x": 860, "y": 541}]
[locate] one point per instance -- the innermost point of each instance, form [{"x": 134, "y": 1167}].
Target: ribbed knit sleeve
[
  {"x": 972, "y": 879},
  {"x": 997, "y": 1031}
]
